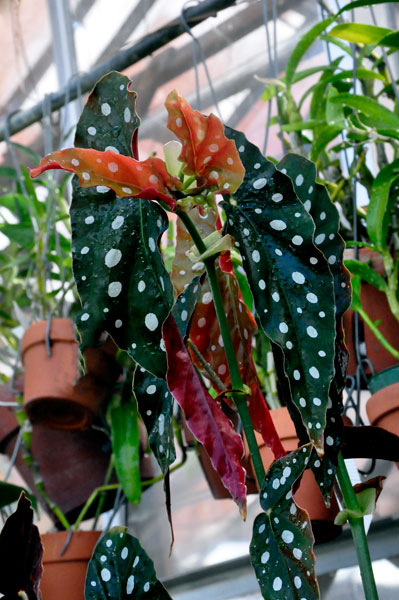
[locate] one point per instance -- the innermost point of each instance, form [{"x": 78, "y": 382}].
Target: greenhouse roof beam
[{"x": 150, "y": 43}]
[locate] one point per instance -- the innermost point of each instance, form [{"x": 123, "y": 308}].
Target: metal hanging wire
[
  {"x": 197, "y": 47},
  {"x": 273, "y": 69}
]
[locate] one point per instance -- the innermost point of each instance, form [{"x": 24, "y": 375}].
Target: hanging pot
[
  {"x": 72, "y": 464},
  {"x": 308, "y": 494},
  {"x": 8, "y": 423},
  {"x": 64, "y": 576},
  {"x": 54, "y": 393},
  {"x": 383, "y": 405},
  {"x": 376, "y": 306}
]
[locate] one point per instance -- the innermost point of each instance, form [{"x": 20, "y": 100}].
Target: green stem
[
  {"x": 383, "y": 341},
  {"x": 235, "y": 376},
  {"x": 115, "y": 486},
  {"x": 358, "y": 532}
]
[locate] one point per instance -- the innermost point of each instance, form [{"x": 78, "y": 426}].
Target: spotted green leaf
[
  {"x": 125, "y": 435},
  {"x": 289, "y": 278},
  {"x": 120, "y": 276},
  {"x": 326, "y": 237},
  {"x": 121, "y": 279},
  {"x": 120, "y": 568},
  {"x": 185, "y": 304},
  {"x": 281, "y": 548},
  {"x": 156, "y": 409},
  {"x": 109, "y": 120}
]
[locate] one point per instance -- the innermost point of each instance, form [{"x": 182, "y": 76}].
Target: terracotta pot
[
  {"x": 72, "y": 464},
  {"x": 308, "y": 494},
  {"x": 64, "y": 576},
  {"x": 8, "y": 422},
  {"x": 383, "y": 406},
  {"x": 54, "y": 394},
  {"x": 377, "y": 308}
]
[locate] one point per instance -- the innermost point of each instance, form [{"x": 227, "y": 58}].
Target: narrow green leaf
[
  {"x": 125, "y": 436},
  {"x": 120, "y": 569},
  {"x": 20, "y": 233},
  {"x": 305, "y": 42},
  {"x": 356, "y": 288},
  {"x": 391, "y": 40},
  {"x": 8, "y": 172},
  {"x": 366, "y": 273},
  {"x": 28, "y": 151},
  {"x": 324, "y": 136},
  {"x": 281, "y": 548},
  {"x": 10, "y": 493},
  {"x": 360, "y": 3},
  {"x": 359, "y": 33},
  {"x": 317, "y": 104},
  {"x": 381, "y": 201},
  {"x": 156, "y": 409},
  {"x": 301, "y": 125},
  {"x": 334, "y": 113},
  {"x": 369, "y": 107},
  {"x": 300, "y": 75},
  {"x": 289, "y": 277}
]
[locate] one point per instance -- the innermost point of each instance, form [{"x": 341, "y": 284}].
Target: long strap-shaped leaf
[
  {"x": 121, "y": 569},
  {"x": 122, "y": 281},
  {"x": 282, "y": 542},
  {"x": 125, "y": 434},
  {"x": 289, "y": 278},
  {"x": 204, "y": 416},
  {"x": 326, "y": 237}
]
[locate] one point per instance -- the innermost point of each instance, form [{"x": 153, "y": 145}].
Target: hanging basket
[
  {"x": 54, "y": 393},
  {"x": 64, "y": 576}
]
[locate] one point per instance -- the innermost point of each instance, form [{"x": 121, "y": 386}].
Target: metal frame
[
  {"x": 152, "y": 42},
  {"x": 234, "y": 578}
]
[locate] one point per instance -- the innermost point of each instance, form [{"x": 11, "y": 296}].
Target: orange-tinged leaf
[
  {"x": 207, "y": 153},
  {"x": 148, "y": 179},
  {"x": 183, "y": 270}
]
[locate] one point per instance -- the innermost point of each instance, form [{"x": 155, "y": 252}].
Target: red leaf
[
  {"x": 205, "y": 334},
  {"x": 21, "y": 553},
  {"x": 207, "y": 153},
  {"x": 204, "y": 416},
  {"x": 148, "y": 179}
]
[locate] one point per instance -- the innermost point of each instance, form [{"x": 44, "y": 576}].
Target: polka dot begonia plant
[{"x": 189, "y": 330}]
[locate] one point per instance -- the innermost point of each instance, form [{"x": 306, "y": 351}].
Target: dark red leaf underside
[{"x": 204, "y": 416}]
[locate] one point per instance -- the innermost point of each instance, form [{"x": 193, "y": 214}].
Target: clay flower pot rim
[
  {"x": 383, "y": 379},
  {"x": 80, "y": 546},
  {"x": 55, "y": 394},
  {"x": 382, "y": 403},
  {"x": 60, "y": 330}
]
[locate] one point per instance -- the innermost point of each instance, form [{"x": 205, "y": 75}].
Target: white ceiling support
[{"x": 66, "y": 63}]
